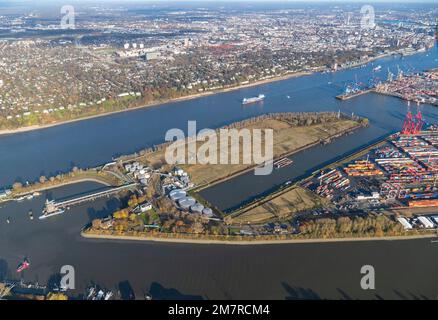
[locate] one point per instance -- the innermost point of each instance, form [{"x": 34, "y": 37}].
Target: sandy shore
[
  {"x": 155, "y": 103},
  {"x": 254, "y": 242}
]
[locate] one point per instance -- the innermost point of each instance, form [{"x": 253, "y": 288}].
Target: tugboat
[
  {"x": 23, "y": 266},
  {"x": 51, "y": 210}
]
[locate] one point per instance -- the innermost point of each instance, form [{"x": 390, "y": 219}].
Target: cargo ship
[
  {"x": 259, "y": 98},
  {"x": 51, "y": 210}
]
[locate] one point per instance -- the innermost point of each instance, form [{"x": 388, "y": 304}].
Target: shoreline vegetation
[
  {"x": 247, "y": 240},
  {"x": 155, "y": 103},
  {"x": 76, "y": 175}
]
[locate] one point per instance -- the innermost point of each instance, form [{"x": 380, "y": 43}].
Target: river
[{"x": 404, "y": 269}]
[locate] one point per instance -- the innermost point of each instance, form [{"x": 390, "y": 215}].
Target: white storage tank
[
  {"x": 177, "y": 194},
  {"x": 186, "y": 203},
  {"x": 197, "y": 208}
]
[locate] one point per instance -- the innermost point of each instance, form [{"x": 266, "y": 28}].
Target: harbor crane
[{"x": 412, "y": 124}]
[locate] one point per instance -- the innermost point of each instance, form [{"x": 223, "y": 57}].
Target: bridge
[{"x": 89, "y": 197}]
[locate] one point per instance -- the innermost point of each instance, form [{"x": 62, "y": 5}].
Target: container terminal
[
  {"x": 401, "y": 173},
  {"x": 417, "y": 88}
]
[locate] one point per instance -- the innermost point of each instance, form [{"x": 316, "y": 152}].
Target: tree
[
  {"x": 56, "y": 296},
  {"x": 17, "y": 185},
  {"x": 198, "y": 227},
  {"x": 121, "y": 214},
  {"x": 133, "y": 202},
  {"x": 96, "y": 224}
]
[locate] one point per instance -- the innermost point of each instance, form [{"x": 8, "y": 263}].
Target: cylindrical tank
[
  {"x": 177, "y": 194},
  {"x": 197, "y": 208},
  {"x": 186, "y": 203}
]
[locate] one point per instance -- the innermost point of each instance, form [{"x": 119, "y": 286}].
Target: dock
[
  {"x": 90, "y": 197},
  {"x": 353, "y": 95},
  {"x": 283, "y": 162}
]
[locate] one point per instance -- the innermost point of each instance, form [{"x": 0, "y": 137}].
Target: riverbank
[
  {"x": 157, "y": 103},
  {"x": 251, "y": 242},
  {"x": 90, "y": 175}
]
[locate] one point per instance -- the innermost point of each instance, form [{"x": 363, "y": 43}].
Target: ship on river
[
  {"x": 51, "y": 210},
  {"x": 259, "y": 98}
]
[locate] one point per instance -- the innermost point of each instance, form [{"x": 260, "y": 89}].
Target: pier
[
  {"x": 89, "y": 197},
  {"x": 348, "y": 96}
]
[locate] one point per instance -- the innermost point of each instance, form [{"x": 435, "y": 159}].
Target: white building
[
  {"x": 405, "y": 223},
  {"x": 426, "y": 222}
]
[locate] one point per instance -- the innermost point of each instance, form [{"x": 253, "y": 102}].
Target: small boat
[
  {"x": 377, "y": 69},
  {"x": 51, "y": 210},
  {"x": 30, "y": 215},
  {"x": 8, "y": 220},
  {"x": 23, "y": 266},
  {"x": 47, "y": 214},
  {"x": 148, "y": 296}
]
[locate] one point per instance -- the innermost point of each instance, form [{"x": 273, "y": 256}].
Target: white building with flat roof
[
  {"x": 426, "y": 222},
  {"x": 405, "y": 223}
]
